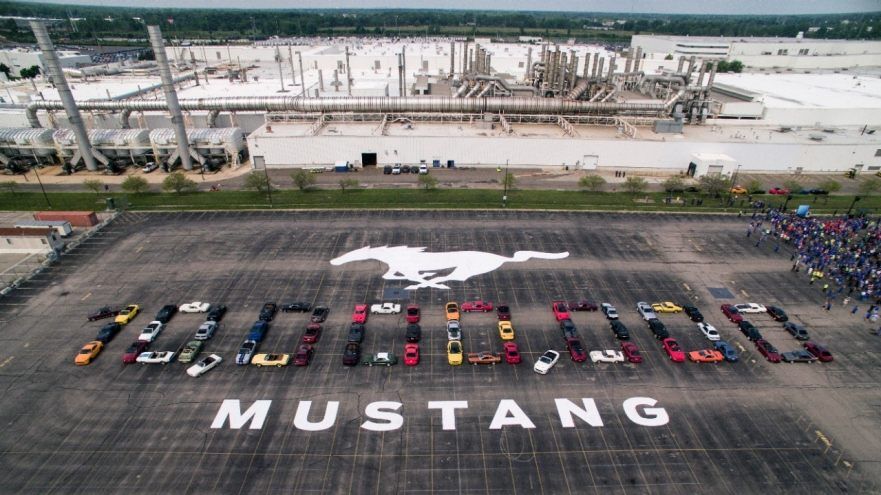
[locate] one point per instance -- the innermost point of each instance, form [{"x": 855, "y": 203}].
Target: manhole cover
[{"x": 720, "y": 293}]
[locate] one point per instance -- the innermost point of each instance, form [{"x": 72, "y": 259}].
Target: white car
[
  {"x": 645, "y": 309},
  {"x": 750, "y": 308},
  {"x": 396, "y": 170},
  {"x": 163, "y": 357},
  {"x": 195, "y": 307},
  {"x": 609, "y": 310},
  {"x": 206, "y": 330},
  {"x": 709, "y": 331},
  {"x": 203, "y": 365},
  {"x": 385, "y": 308},
  {"x": 546, "y": 362},
  {"x": 607, "y": 356},
  {"x": 151, "y": 331},
  {"x": 454, "y": 330},
  {"x": 423, "y": 169}
]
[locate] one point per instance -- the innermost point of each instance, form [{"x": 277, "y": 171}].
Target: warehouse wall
[{"x": 543, "y": 152}]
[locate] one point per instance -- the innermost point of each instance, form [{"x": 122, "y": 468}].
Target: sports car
[
  {"x": 88, "y": 353},
  {"x": 706, "y": 356},
  {"x": 204, "y": 365},
  {"x": 484, "y": 357},
  {"x": 607, "y": 356},
  {"x": 631, "y": 352},
  {"x": 195, "y": 307},
  {"x": 512, "y": 353},
  {"x": 671, "y": 347},
  {"x": 666, "y": 307},
  {"x": 506, "y": 330},
  {"x": 127, "y": 314},
  {"x": 359, "y": 315},
  {"x": 267, "y": 359},
  {"x": 157, "y": 357},
  {"x": 454, "y": 352},
  {"x": 190, "y": 351},
  {"x": 477, "y": 306},
  {"x": 561, "y": 311},
  {"x": 411, "y": 354},
  {"x": 380, "y": 359}
]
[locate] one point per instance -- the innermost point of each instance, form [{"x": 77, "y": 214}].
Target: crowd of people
[{"x": 843, "y": 255}]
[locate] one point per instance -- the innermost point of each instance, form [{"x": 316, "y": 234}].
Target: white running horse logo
[{"x": 414, "y": 264}]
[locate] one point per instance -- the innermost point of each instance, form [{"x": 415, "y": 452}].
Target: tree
[
  {"x": 755, "y": 186},
  {"x": 257, "y": 181},
  {"x": 713, "y": 185},
  {"x": 178, "y": 182},
  {"x": 348, "y": 184},
  {"x": 793, "y": 185},
  {"x": 134, "y": 184},
  {"x": 427, "y": 182},
  {"x": 9, "y": 185},
  {"x": 635, "y": 185},
  {"x": 509, "y": 181},
  {"x": 303, "y": 179},
  {"x": 870, "y": 186},
  {"x": 830, "y": 185},
  {"x": 94, "y": 185},
  {"x": 30, "y": 72},
  {"x": 669, "y": 56},
  {"x": 6, "y": 70},
  {"x": 592, "y": 182},
  {"x": 674, "y": 184}
]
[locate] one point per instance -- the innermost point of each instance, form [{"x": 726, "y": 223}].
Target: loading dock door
[
  {"x": 714, "y": 170},
  {"x": 590, "y": 162},
  {"x": 368, "y": 159}
]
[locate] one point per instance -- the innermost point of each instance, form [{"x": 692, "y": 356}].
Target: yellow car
[
  {"x": 454, "y": 352},
  {"x": 277, "y": 360},
  {"x": 89, "y": 352},
  {"x": 506, "y": 331},
  {"x": 666, "y": 307},
  {"x": 127, "y": 314},
  {"x": 452, "y": 311},
  {"x": 738, "y": 190}
]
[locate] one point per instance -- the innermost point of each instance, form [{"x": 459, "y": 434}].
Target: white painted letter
[
  {"x": 232, "y": 409},
  {"x": 510, "y": 414},
  {"x": 448, "y": 411},
  {"x": 374, "y": 410},
  {"x": 301, "y": 419},
  {"x": 590, "y": 414},
  {"x": 654, "y": 416}
]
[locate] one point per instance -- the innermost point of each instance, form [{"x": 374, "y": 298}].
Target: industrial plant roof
[
  {"x": 752, "y": 39},
  {"x": 810, "y": 90}
]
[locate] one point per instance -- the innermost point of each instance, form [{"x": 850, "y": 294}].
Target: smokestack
[
  {"x": 561, "y": 80},
  {"x": 475, "y": 59},
  {"x": 336, "y": 80},
  {"x": 281, "y": 76},
  {"x": 690, "y": 68},
  {"x": 348, "y": 73},
  {"x": 596, "y": 61},
  {"x": 700, "y": 77},
  {"x": 464, "y": 58},
  {"x": 404, "y": 64},
  {"x": 291, "y": 60},
  {"x": 489, "y": 58},
  {"x": 585, "y": 72},
  {"x": 611, "y": 67},
  {"x": 638, "y": 62},
  {"x": 681, "y": 64},
  {"x": 600, "y": 68},
  {"x": 400, "y": 76},
  {"x": 177, "y": 120},
  {"x": 628, "y": 64},
  {"x": 56, "y": 74},
  {"x": 452, "y": 58},
  {"x": 302, "y": 76},
  {"x": 529, "y": 64},
  {"x": 712, "y": 75},
  {"x": 320, "y": 80}
]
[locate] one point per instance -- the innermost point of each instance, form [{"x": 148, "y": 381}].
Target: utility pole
[
  {"x": 268, "y": 185},
  {"x": 505, "y": 183},
  {"x": 44, "y": 189}
]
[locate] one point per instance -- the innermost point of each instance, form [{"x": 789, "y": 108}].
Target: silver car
[
  {"x": 454, "y": 330},
  {"x": 645, "y": 309},
  {"x": 206, "y": 330}
]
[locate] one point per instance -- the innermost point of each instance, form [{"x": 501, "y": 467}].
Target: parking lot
[{"x": 743, "y": 427}]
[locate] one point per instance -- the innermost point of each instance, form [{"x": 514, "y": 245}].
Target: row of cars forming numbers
[{"x": 810, "y": 352}]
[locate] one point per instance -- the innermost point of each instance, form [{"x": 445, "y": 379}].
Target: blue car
[
  {"x": 726, "y": 349},
  {"x": 246, "y": 352},
  {"x": 258, "y": 331}
]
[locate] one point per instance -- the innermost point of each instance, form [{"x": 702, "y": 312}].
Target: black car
[
  {"x": 414, "y": 332},
  {"x": 216, "y": 313},
  {"x": 816, "y": 192},
  {"x": 693, "y": 313},
  {"x": 569, "y": 330},
  {"x": 621, "y": 332},
  {"x": 405, "y": 169},
  {"x": 299, "y": 306},
  {"x": 268, "y": 311},
  {"x": 105, "y": 312},
  {"x": 319, "y": 314},
  {"x": 503, "y": 312},
  {"x": 796, "y": 330},
  {"x": 582, "y": 306},
  {"x": 777, "y": 313},
  {"x": 750, "y": 330},
  {"x": 352, "y": 354},
  {"x": 356, "y": 333},
  {"x": 166, "y": 313},
  {"x": 658, "y": 329},
  {"x": 108, "y": 331},
  {"x": 387, "y": 170}
]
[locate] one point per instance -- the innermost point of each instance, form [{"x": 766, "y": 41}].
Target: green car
[
  {"x": 380, "y": 359},
  {"x": 190, "y": 351}
]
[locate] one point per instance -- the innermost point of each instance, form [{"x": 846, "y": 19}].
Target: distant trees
[
  {"x": 30, "y": 72},
  {"x": 733, "y": 66}
]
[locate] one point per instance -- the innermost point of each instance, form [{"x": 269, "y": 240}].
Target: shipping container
[{"x": 76, "y": 218}]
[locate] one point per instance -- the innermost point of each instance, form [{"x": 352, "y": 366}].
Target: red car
[
  {"x": 313, "y": 333},
  {"x": 582, "y": 306},
  {"x": 413, "y": 313},
  {"x": 411, "y": 354},
  {"x": 779, "y": 191},
  {"x": 732, "y": 313},
  {"x": 512, "y": 354},
  {"x": 631, "y": 352},
  {"x": 472, "y": 306},
  {"x": 133, "y": 351},
  {"x": 360, "y": 314},
  {"x": 304, "y": 355},
  {"x": 561, "y": 311},
  {"x": 503, "y": 312},
  {"x": 576, "y": 350},
  {"x": 671, "y": 347},
  {"x": 769, "y": 351},
  {"x": 821, "y": 352}
]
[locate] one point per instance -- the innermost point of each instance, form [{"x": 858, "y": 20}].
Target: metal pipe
[
  {"x": 596, "y": 61},
  {"x": 712, "y": 75},
  {"x": 611, "y": 68},
  {"x": 320, "y": 79},
  {"x": 475, "y": 58},
  {"x": 561, "y": 77},
  {"x": 291, "y": 60},
  {"x": 581, "y": 86},
  {"x": 464, "y": 58},
  {"x": 474, "y": 89},
  {"x": 452, "y": 58},
  {"x": 612, "y": 93},
  {"x": 211, "y": 121},
  {"x": 177, "y": 119},
  {"x": 700, "y": 77},
  {"x": 690, "y": 69},
  {"x": 668, "y": 105},
  {"x": 600, "y": 68},
  {"x": 488, "y": 63},
  {"x": 487, "y": 86},
  {"x": 681, "y": 64},
  {"x": 348, "y": 73},
  {"x": 404, "y": 63},
  {"x": 400, "y": 77},
  {"x": 123, "y": 119},
  {"x": 53, "y": 66},
  {"x": 302, "y": 74},
  {"x": 462, "y": 89},
  {"x": 584, "y": 72}
]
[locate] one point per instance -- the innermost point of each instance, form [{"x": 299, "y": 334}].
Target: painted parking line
[{"x": 6, "y": 361}]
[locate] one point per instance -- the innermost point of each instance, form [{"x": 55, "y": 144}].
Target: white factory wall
[
  {"x": 531, "y": 152},
  {"x": 821, "y": 117},
  {"x": 809, "y": 61}
]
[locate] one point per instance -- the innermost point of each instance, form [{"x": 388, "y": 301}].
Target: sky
[{"x": 753, "y": 7}]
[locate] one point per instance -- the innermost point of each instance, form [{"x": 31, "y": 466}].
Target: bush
[
  {"x": 713, "y": 185},
  {"x": 178, "y": 182},
  {"x": 870, "y": 186},
  {"x": 635, "y": 185},
  {"x": 258, "y": 181},
  {"x": 592, "y": 182},
  {"x": 793, "y": 185},
  {"x": 134, "y": 184},
  {"x": 349, "y": 184},
  {"x": 674, "y": 184},
  {"x": 427, "y": 182},
  {"x": 833, "y": 186},
  {"x": 755, "y": 186},
  {"x": 94, "y": 185},
  {"x": 303, "y": 179}
]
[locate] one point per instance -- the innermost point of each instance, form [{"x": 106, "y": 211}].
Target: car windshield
[
  {"x": 412, "y": 311},
  {"x": 673, "y": 346},
  {"x": 545, "y": 359},
  {"x": 455, "y": 348}
]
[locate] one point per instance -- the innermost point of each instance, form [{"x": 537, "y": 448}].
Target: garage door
[{"x": 714, "y": 170}]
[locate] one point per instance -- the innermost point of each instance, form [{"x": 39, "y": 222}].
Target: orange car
[
  {"x": 452, "y": 310},
  {"x": 484, "y": 357},
  {"x": 706, "y": 356},
  {"x": 89, "y": 352}
]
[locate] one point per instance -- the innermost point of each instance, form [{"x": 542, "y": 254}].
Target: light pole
[
  {"x": 505, "y": 183},
  {"x": 268, "y": 185},
  {"x": 783, "y": 209},
  {"x": 42, "y": 188}
]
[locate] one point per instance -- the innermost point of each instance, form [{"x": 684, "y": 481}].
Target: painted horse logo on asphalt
[{"x": 415, "y": 265}]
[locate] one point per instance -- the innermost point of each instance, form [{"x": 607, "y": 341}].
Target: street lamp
[
  {"x": 783, "y": 208},
  {"x": 41, "y": 187},
  {"x": 268, "y": 185},
  {"x": 505, "y": 183},
  {"x": 855, "y": 199}
]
